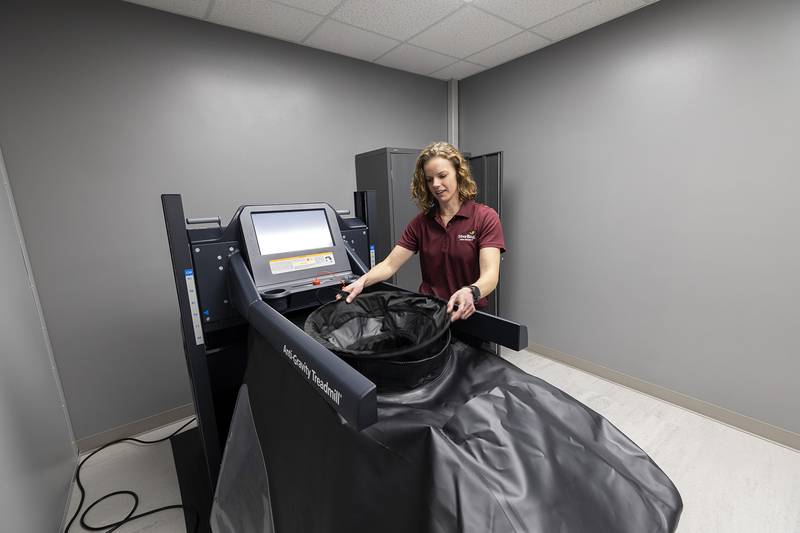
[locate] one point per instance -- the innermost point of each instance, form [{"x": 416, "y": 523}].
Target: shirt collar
[{"x": 466, "y": 210}]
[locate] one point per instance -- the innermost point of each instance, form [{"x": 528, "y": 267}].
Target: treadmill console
[{"x": 293, "y": 248}]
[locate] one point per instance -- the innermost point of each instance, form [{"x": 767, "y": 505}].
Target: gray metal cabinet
[
  {"x": 488, "y": 175},
  {"x": 388, "y": 172}
]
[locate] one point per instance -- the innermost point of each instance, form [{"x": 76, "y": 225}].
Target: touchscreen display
[{"x": 291, "y": 231}]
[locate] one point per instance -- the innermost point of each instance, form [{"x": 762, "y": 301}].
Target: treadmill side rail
[
  {"x": 492, "y": 328},
  {"x": 482, "y": 326},
  {"x": 351, "y": 394},
  {"x": 356, "y": 264}
]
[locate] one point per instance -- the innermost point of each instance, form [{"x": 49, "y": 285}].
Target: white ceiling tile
[
  {"x": 347, "y": 40},
  {"x": 465, "y": 32},
  {"x": 189, "y": 8},
  {"x": 519, "y": 45},
  {"x": 321, "y": 7},
  {"x": 483, "y": 33},
  {"x": 585, "y": 17},
  {"x": 413, "y": 59},
  {"x": 399, "y": 19},
  {"x": 458, "y": 71},
  {"x": 528, "y": 13},
  {"x": 264, "y": 17}
]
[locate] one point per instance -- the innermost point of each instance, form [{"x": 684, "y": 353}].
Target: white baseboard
[
  {"x": 143, "y": 425},
  {"x": 70, "y": 488},
  {"x": 751, "y": 425}
]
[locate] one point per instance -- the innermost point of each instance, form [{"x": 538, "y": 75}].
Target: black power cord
[{"x": 135, "y": 497}]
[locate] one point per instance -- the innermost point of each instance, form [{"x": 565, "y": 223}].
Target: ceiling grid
[{"x": 445, "y": 39}]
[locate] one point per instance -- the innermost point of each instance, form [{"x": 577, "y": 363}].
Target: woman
[{"x": 458, "y": 239}]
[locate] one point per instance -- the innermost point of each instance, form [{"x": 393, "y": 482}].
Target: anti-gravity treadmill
[{"x": 292, "y": 438}]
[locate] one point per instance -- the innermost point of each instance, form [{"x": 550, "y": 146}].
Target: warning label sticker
[{"x": 301, "y": 262}]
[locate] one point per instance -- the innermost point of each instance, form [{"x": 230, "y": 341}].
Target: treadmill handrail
[
  {"x": 355, "y": 260},
  {"x": 483, "y": 326},
  {"x": 345, "y": 389},
  {"x": 495, "y": 329}
]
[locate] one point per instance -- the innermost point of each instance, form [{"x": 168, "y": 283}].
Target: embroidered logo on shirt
[{"x": 468, "y": 236}]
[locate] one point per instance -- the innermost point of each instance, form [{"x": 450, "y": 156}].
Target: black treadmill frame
[{"x": 222, "y": 364}]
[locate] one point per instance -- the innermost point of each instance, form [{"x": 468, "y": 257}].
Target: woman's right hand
[
  {"x": 380, "y": 272},
  {"x": 354, "y": 289}
]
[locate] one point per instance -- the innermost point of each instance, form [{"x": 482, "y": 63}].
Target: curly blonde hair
[{"x": 467, "y": 189}]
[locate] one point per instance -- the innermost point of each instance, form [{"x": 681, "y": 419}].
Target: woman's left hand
[{"x": 466, "y": 306}]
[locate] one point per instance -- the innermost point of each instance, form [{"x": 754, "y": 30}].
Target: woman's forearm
[
  {"x": 490, "y": 271},
  {"x": 487, "y": 283},
  {"x": 378, "y": 273},
  {"x": 388, "y": 267}
]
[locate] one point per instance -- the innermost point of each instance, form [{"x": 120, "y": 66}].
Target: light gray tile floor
[
  {"x": 730, "y": 481},
  {"x": 147, "y": 470}
]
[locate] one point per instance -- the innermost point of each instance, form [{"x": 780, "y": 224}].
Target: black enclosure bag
[
  {"x": 398, "y": 340},
  {"x": 483, "y": 448}
]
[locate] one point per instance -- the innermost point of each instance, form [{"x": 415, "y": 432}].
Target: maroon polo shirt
[{"x": 448, "y": 255}]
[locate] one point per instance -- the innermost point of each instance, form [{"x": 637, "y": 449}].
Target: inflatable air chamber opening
[{"x": 398, "y": 340}]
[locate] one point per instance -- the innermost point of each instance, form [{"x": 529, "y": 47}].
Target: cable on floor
[{"x": 131, "y": 516}]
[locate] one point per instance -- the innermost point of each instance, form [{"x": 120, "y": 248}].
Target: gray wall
[
  {"x": 651, "y": 197},
  {"x": 37, "y": 456},
  {"x": 106, "y": 105}
]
